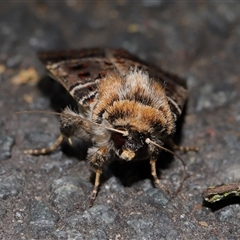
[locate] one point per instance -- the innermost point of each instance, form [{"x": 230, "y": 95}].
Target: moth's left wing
[{"x": 175, "y": 86}]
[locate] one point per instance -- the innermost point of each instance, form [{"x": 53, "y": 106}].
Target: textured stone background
[{"x": 46, "y": 197}]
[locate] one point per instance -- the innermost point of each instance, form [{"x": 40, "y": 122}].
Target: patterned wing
[
  {"x": 175, "y": 87},
  {"x": 78, "y": 71}
]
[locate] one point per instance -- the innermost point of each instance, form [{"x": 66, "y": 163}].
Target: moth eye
[{"x": 118, "y": 139}]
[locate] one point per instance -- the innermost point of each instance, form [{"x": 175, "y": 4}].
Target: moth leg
[
  {"x": 93, "y": 196},
  {"x": 97, "y": 159},
  {"x": 47, "y": 150},
  {"x": 156, "y": 180},
  {"x": 154, "y": 153},
  {"x": 181, "y": 148},
  {"x": 70, "y": 125},
  {"x": 70, "y": 141}
]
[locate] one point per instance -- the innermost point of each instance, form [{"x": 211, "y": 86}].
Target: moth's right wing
[{"x": 78, "y": 71}]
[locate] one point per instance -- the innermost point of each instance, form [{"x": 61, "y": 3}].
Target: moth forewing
[{"x": 124, "y": 102}]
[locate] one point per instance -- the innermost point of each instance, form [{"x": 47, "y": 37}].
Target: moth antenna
[
  {"x": 41, "y": 111},
  {"x": 124, "y": 133},
  {"x": 148, "y": 140}
]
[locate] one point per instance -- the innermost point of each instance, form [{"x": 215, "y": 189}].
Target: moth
[
  {"x": 127, "y": 107},
  {"x": 217, "y": 193}
]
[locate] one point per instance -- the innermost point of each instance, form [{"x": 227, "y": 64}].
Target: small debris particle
[
  {"x": 2, "y": 68},
  {"x": 203, "y": 224},
  {"x": 28, "y": 98},
  {"x": 133, "y": 28},
  {"x": 27, "y": 76}
]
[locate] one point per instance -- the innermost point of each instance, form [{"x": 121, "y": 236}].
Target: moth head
[{"x": 129, "y": 146}]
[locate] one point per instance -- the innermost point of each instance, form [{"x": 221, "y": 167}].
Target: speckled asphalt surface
[{"x": 46, "y": 197}]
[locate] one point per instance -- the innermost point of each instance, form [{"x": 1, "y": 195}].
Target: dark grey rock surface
[
  {"x": 6, "y": 143},
  {"x": 46, "y": 197},
  {"x": 41, "y": 219}
]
